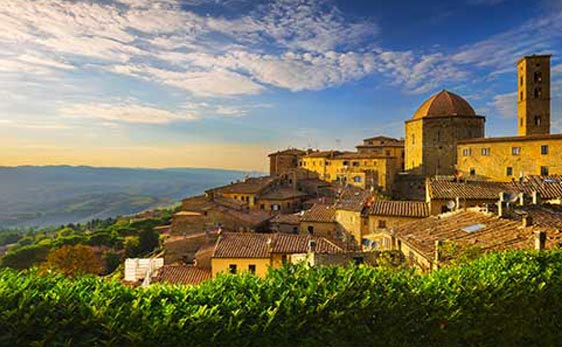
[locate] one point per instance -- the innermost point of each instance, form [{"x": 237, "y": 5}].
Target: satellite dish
[{"x": 451, "y": 204}]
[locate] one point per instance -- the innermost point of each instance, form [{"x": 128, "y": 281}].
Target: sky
[{"x": 221, "y": 83}]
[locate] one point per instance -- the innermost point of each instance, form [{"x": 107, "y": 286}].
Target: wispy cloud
[{"x": 125, "y": 113}]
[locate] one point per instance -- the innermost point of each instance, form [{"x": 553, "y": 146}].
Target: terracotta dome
[{"x": 444, "y": 104}]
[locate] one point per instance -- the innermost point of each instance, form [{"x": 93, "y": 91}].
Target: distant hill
[{"x": 55, "y": 195}]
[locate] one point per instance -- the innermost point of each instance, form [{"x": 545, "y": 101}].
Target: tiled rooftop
[
  {"x": 252, "y": 185},
  {"x": 182, "y": 274},
  {"x": 352, "y": 198},
  {"x": 320, "y": 213},
  {"x": 416, "y": 209},
  {"x": 282, "y": 194},
  {"x": 548, "y": 188},
  {"x": 256, "y": 245},
  {"x": 485, "y": 230}
]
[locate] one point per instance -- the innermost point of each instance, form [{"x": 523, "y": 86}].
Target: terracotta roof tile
[
  {"x": 490, "y": 232},
  {"x": 418, "y": 209},
  {"x": 352, "y": 198},
  {"x": 252, "y": 185},
  {"x": 548, "y": 188},
  {"x": 282, "y": 194},
  {"x": 256, "y": 245},
  {"x": 182, "y": 274},
  {"x": 320, "y": 213}
]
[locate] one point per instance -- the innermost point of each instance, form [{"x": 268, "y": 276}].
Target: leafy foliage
[
  {"x": 501, "y": 299},
  {"x": 134, "y": 236},
  {"x": 74, "y": 260}
]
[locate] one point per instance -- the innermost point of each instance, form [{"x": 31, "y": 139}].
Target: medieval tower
[{"x": 533, "y": 95}]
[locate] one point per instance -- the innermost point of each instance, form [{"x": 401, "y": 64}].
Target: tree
[
  {"x": 26, "y": 256},
  {"x": 75, "y": 260},
  {"x": 149, "y": 239}
]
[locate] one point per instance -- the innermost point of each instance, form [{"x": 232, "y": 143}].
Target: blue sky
[{"x": 220, "y": 83}]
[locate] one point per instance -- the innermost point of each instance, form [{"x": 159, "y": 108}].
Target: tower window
[
  {"x": 485, "y": 151},
  {"x": 538, "y": 92},
  {"x": 472, "y": 171},
  {"x": 509, "y": 171},
  {"x": 520, "y": 96},
  {"x": 538, "y": 77},
  {"x": 521, "y": 80},
  {"x": 538, "y": 120},
  {"x": 515, "y": 150},
  {"x": 521, "y": 121},
  {"x": 544, "y": 170},
  {"x": 466, "y": 152},
  {"x": 544, "y": 149}
]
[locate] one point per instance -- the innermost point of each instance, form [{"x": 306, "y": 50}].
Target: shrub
[
  {"x": 74, "y": 260},
  {"x": 25, "y": 257},
  {"x": 504, "y": 299}
]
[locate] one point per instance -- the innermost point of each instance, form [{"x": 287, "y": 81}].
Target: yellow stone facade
[
  {"x": 533, "y": 95},
  {"x": 504, "y": 159},
  {"x": 363, "y": 170},
  {"x": 434, "y": 131},
  {"x": 222, "y": 265}
]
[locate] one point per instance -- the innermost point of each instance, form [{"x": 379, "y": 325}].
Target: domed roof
[{"x": 444, "y": 104}]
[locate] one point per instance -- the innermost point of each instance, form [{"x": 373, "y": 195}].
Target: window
[
  {"x": 327, "y": 163},
  {"x": 509, "y": 171},
  {"x": 382, "y": 224},
  {"x": 345, "y": 163},
  {"x": 485, "y": 151},
  {"x": 466, "y": 152},
  {"x": 295, "y": 230},
  {"x": 538, "y": 77},
  {"x": 521, "y": 80},
  {"x": 538, "y": 120},
  {"x": 310, "y": 229},
  {"x": 357, "y": 179},
  {"x": 388, "y": 153},
  {"x": 472, "y": 171},
  {"x": 262, "y": 207},
  {"x": 521, "y": 121},
  {"x": 252, "y": 268},
  {"x": 538, "y": 92},
  {"x": 275, "y": 207},
  {"x": 515, "y": 150},
  {"x": 232, "y": 268},
  {"x": 438, "y": 135},
  {"x": 544, "y": 149},
  {"x": 521, "y": 96},
  {"x": 413, "y": 139},
  {"x": 544, "y": 170},
  {"x": 355, "y": 163}
]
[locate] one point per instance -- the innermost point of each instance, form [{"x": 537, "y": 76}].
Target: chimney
[
  {"x": 311, "y": 246},
  {"x": 536, "y": 198},
  {"x": 458, "y": 203},
  {"x": 501, "y": 205},
  {"x": 269, "y": 245},
  {"x": 540, "y": 240},
  {"x": 521, "y": 199},
  {"x": 438, "y": 246},
  {"x": 527, "y": 221}
]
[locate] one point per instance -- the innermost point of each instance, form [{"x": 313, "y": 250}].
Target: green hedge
[{"x": 503, "y": 299}]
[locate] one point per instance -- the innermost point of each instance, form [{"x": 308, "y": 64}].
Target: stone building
[
  {"x": 283, "y": 160},
  {"x": 434, "y": 131},
  {"x": 364, "y": 169},
  {"x": 535, "y": 151},
  {"x": 384, "y": 146},
  {"x": 533, "y": 95}
]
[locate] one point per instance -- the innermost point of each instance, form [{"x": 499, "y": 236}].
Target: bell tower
[{"x": 533, "y": 95}]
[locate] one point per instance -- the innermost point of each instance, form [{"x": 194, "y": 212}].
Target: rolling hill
[{"x": 55, "y": 195}]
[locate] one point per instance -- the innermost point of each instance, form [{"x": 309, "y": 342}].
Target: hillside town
[{"x": 443, "y": 190}]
